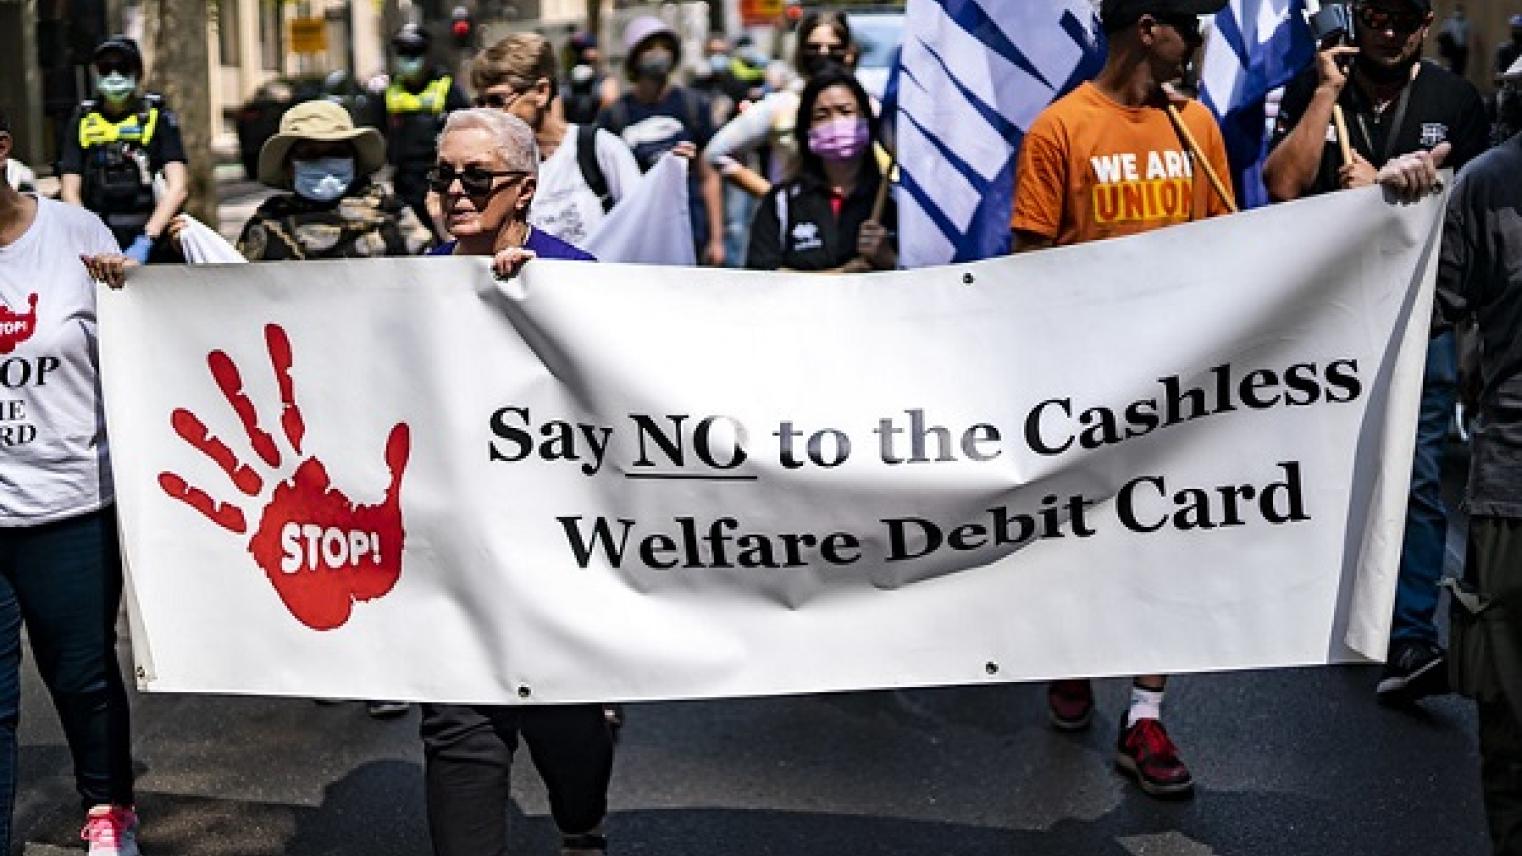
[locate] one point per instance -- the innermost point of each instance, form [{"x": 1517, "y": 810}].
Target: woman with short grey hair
[
  {"x": 485, "y": 177},
  {"x": 515, "y": 138}
]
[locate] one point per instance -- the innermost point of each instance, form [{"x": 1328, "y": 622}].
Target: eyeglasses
[
  {"x": 114, "y": 66},
  {"x": 1379, "y": 20},
  {"x": 475, "y": 180},
  {"x": 833, "y": 51}
]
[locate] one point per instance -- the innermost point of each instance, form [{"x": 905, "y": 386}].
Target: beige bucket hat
[{"x": 324, "y": 121}]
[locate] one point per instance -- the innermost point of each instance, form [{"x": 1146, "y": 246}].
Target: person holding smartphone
[{"x": 1395, "y": 105}]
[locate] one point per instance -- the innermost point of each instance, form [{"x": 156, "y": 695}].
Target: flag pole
[
  {"x": 1199, "y": 157},
  {"x": 880, "y": 200},
  {"x": 1341, "y": 121}
]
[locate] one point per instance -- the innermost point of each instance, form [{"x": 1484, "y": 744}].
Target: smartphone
[{"x": 1332, "y": 26}]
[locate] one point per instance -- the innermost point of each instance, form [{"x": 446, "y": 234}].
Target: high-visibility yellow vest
[
  {"x": 431, "y": 100},
  {"x": 97, "y": 130}
]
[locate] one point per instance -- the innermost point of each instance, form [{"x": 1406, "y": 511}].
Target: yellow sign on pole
[
  {"x": 309, "y": 35},
  {"x": 754, "y": 13}
]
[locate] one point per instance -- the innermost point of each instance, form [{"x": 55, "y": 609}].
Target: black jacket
[{"x": 796, "y": 229}]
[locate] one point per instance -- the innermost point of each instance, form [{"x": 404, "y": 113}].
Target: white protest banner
[
  {"x": 1179, "y": 452},
  {"x": 650, "y": 225}
]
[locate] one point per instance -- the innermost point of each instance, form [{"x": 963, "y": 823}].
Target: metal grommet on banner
[
  {"x": 991, "y": 667},
  {"x": 524, "y": 692},
  {"x": 967, "y": 279}
]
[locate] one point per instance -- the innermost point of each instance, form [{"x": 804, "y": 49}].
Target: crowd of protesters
[{"x": 542, "y": 159}]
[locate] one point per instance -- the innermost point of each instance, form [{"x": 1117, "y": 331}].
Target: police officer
[
  {"x": 116, "y": 146},
  {"x": 417, "y": 100}
]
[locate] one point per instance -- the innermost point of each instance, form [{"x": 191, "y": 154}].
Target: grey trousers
[{"x": 1486, "y": 665}]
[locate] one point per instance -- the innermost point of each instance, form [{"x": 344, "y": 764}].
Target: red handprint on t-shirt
[
  {"x": 320, "y": 551},
  {"x": 15, "y": 327}
]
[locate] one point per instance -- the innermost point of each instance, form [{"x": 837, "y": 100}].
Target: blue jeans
[
  {"x": 739, "y": 210},
  {"x": 63, "y": 580},
  {"x": 1421, "y": 558}
]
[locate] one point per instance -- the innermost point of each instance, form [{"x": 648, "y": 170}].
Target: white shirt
[
  {"x": 564, "y": 206},
  {"x": 54, "y": 462}
]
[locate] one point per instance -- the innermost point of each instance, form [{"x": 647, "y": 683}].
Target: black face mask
[{"x": 656, "y": 66}]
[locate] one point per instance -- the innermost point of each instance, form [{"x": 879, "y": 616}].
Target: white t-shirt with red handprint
[{"x": 54, "y": 462}]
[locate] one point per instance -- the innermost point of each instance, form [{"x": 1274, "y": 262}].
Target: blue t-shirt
[
  {"x": 651, "y": 130},
  {"x": 542, "y": 244}
]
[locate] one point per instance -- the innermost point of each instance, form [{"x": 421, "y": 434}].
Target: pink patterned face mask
[{"x": 839, "y": 139}]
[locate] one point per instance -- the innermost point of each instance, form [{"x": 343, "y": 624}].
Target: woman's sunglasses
[
  {"x": 475, "y": 180},
  {"x": 831, "y": 51}
]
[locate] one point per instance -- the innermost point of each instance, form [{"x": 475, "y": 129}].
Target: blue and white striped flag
[
  {"x": 972, "y": 76},
  {"x": 1255, "y": 47}
]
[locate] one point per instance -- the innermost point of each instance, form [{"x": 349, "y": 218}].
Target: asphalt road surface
[{"x": 1298, "y": 761}]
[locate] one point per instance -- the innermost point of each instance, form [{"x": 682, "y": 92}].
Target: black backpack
[{"x": 591, "y": 170}]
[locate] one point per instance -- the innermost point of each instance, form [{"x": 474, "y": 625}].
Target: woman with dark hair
[
  {"x": 824, "y": 43},
  {"x": 823, "y": 218}
]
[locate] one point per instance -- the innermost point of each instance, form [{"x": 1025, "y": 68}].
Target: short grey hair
[{"x": 513, "y": 136}]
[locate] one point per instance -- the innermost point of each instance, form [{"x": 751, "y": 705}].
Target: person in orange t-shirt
[
  {"x": 1102, "y": 162},
  {"x": 1106, "y": 160}
]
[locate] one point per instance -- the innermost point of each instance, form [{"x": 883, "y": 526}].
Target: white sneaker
[{"x": 111, "y": 831}]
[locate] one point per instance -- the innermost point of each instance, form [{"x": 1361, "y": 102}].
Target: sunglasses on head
[
  {"x": 1379, "y": 19},
  {"x": 476, "y": 181}
]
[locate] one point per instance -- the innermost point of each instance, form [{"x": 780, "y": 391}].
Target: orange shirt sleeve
[
  {"x": 1041, "y": 179},
  {"x": 1208, "y": 133}
]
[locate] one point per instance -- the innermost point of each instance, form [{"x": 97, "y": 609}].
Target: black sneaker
[{"x": 1414, "y": 670}]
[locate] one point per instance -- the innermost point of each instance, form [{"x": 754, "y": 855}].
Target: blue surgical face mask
[
  {"x": 324, "y": 179},
  {"x": 719, "y": 63},
  {"x": 116, "y": 87},
  {"x": 409, "y": 66}
]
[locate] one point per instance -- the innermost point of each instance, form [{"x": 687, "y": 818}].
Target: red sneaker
[
  {"x": 1148, "y": 755},
  {"x": 1071, "y": 704},
  {"x": 111, "y": 831}
]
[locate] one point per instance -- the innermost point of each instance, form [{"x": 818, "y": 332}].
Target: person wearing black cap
[
  {"x": 1104, "y": 161},
  {"x": 115, "y": 148},
  {"x": 1397, "y": 107},
  {"x": 418, "y": 98}
]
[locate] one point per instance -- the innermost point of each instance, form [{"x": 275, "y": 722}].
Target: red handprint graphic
[
  {"x": 15, "y": 327},
  {"x": 319, "y": 550}
]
